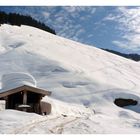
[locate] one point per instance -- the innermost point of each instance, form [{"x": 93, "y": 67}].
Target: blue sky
[{"x": 116, "y": 28}]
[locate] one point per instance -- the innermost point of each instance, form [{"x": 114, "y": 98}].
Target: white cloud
[
  {"x": 65, "y": 20},
  {"x": 80, "y": 32},
  {"x": 46, "y": 14},
  {"x": 90, "y": 35},
  {"x": 120, "y": 44},
  {"x": 93, "y": 10},
  {"x": 128, "y": 19},
  {"x": 70, "y": 9},
  {"x": 111, "y": 17}
]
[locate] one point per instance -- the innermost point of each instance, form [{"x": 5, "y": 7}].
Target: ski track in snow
[
  {"x": 29, "y": 126},
  {"x": 56, "y": 128}
]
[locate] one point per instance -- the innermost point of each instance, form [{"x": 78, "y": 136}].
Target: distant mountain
[
  {"x": 17, "y": 19},
  {"x": 132, "y": 56}
]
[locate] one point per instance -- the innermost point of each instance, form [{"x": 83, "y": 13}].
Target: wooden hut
[
  {"x": 20, "y": 92},
  {"x": 24, "y": 98}
]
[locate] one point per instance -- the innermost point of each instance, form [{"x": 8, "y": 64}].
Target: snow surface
[
  {"x": 16, "y": 79},
  {"x": 84, "y": 81}
]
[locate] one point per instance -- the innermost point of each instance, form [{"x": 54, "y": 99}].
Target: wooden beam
[
  {"x": 25, "y": 99},
  {"x": 7, "y": 103}
]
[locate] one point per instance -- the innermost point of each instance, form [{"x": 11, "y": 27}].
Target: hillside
[{"x": 84, "y": 81}]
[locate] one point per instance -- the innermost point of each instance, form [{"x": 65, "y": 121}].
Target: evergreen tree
[{"x": 17, "y": 19}]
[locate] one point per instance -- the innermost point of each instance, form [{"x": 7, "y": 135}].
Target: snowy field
[{"x": 84, "y": 81}]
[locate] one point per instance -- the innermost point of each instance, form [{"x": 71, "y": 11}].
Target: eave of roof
[{"x": 24, "y": 87}]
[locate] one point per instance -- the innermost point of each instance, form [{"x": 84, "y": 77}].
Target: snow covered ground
[{"x": 84, "y": 81}]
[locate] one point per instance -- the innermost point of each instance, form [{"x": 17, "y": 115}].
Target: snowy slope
[{"x": 84, "y": 81}]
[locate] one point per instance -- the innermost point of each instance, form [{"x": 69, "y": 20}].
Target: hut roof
[{"x": 24, "y": 87}]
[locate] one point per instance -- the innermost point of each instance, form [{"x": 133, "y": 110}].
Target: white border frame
[{"x": 70, "y": 2}]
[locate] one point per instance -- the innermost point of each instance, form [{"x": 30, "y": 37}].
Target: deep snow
[
  {"x": 84, "y": 81},
  {"x": 16, "y": 79}
]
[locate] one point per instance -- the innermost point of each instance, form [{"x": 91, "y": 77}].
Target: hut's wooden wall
[
  {"x": 45, "y": 108},
  {"x": 33, "y": 100}
]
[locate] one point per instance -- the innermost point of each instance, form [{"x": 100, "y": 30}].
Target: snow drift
[
  {"x": 80, "y": 77},
  {"x": 17, "y": 79}
]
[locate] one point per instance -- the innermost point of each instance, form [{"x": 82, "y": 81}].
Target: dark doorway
[{"x": 125, "y": 102}]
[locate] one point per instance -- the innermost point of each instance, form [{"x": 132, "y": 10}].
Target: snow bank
[
  {"x": 2, "y": 105},
  {"x": 12, "y": 120},
  {"x": 59, "y": 108},
  {"x": 13, "y": 80}
]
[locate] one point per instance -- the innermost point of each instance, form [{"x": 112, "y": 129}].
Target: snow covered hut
[{"x": 20, "y": 92}]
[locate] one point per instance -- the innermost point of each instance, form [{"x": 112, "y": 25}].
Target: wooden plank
[
  {"x": 38, "y": 90},
  {"x": 7, "y": 103},
  {"x": 11, "y": 91},
  {"x": 25, "y": 97}
]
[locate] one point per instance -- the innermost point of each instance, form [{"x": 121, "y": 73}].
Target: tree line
[
  {"x": 132, "y": 56},
  {"x": 17, "y": 19}
]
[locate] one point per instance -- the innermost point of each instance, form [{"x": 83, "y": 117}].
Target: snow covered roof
[{"x": 17, "y": 79}]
